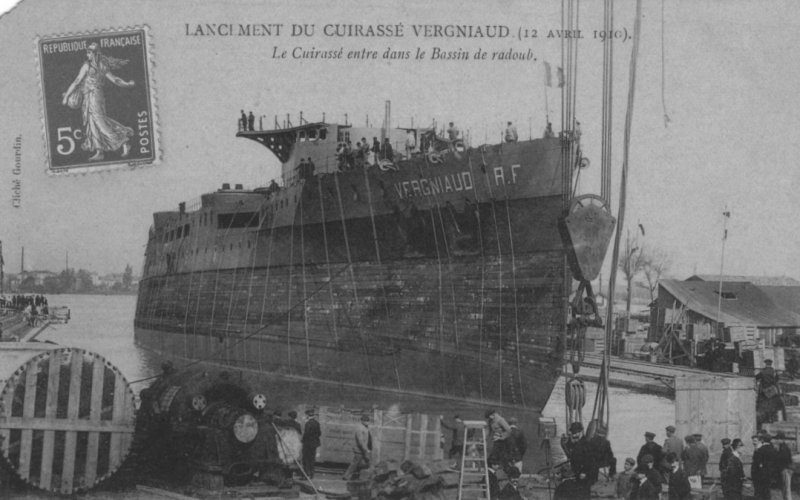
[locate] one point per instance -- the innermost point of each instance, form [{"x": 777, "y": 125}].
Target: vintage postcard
[{"x": 243, "y": 239}]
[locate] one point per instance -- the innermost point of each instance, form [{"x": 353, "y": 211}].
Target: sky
[{"x": 727, "y": 80}]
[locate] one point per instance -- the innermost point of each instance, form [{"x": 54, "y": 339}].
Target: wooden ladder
[{"x": 474, "y": 477}]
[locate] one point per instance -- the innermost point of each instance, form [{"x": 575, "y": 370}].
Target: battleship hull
[{"x": 447, "y": 280}]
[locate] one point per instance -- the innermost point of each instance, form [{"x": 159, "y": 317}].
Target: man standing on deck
[
  {"x": 511, "y": 133},
  {"x": 452, "y": 132},
  {"x": 362, "y": 449},
  {"x": 311, "y": 441}
]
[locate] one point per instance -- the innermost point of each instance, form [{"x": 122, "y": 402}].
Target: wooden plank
[
  {"x": 51, "y": 406},
  {"x": 73, "y": 406},
  {"x": 116, "y": 453},
  {"x": 27, "y": 412},
  {"x": 96, "y": 404},
  {"x": 407, "y": 448},
  {"x": 76, "y": 425}
]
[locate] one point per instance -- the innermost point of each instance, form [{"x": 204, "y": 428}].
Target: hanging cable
[{"x": 602, "y": 410}]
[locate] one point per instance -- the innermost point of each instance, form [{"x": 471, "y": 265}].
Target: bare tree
[
  {"x": 656, "y": 263},
  {"x": 631, "y": 264}
]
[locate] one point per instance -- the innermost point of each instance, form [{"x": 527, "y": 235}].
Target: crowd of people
[
  {"x": 674, "y": 468},
  {"x": 363, "y": 154},
  {"x": 32, "y": 306}
]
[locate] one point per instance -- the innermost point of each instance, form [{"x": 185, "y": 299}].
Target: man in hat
[
  {"x": 362, "y": 449},
  {"x": 581, "y": 460},
  {"x": 651, "y": 448},
  {"x": 679, "y": 487},
  {"x": 726, "y": 454},
  {"x": 784, "y": 465},
  {"x": 732, "y": 477},
  {"x": 698, "y": 440},
  {"x": 764, "y": 471},
  {"x": 311, "y": 441},
  {"x": 603, "y": 455},
  {"x": 500, "y": 431},
  {"x": 517, "y": 443},
  {"x": 648, "y": 480},
  {"x": 693, "y": 457},
  {"x": 673, "y": 444},
  {"x": 624, "y": 478},
  {"x": 457, "y": 441}
]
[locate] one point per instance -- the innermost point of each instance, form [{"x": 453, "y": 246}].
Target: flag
[{"x": 548, "y": 75}]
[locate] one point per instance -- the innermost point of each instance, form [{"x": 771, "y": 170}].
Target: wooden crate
[
  {"x": 66, "y": 416},
  {"x": 395, "y": 436}
]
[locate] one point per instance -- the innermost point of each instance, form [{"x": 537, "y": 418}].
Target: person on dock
[
  {"x": 732, "y": 476},
  {"x": 624, "y": 478},
  {"x": 647, "y": 485},
  {"x": 651, "y": 448},
  {"x": 581, "y": 460},
  {"x": 678, "y": 483},
  {"x": 694, "y": 459},
  {"x": 311, "y": 441},
  {"x": 673, "y": 444},
  {"x": 457, "y": 439},
  {"x": 362, "y": 450},
  {"x": 453, "y": 132},
  {"x": 764, "y": 471},
  {"x": 725, "y": 455},
  {"x": 784, "y": 465},
  {"x": 517, "y": 443},
  {"x": 603, "y": 455},
  {"x": 500, "y": 432},
  {"x": 698, "y": 440}
]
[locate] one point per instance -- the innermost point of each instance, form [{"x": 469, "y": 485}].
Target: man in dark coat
[
  {"x": 732, "y": 477},
  {"x": 647, "y": 484},
  {"x": 765, "y": 470},
  {"x": 311, "y": 441},
  {"x": 693, "y": 457},
  {"x": 582, "y": 461},
  {"x": 603, "y": 455},
  {"x": 784, "y": 465},
  {"x": 651, "y": 448},
  {"x": 517, "y": 442},
  {"x": 726, "y": 453},
  {"x": 679, "y": 487}
]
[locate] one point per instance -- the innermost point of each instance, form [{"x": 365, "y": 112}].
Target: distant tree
[
  {"x": 631, "y": 264},
  {"x": 83, "y": 281},
  {"x": 67, "y": 278},
  {"x": 656, "y": 263},
  {"x": 127, "y": 277}
]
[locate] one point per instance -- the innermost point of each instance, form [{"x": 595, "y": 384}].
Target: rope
[
  {"x": 353, "y": 277},
  {"x": 290, "y": 268},
  {"x": 327, "y": 254},
  {"x": 305, "y": 281},
  {"x": 663, "y": 71}
]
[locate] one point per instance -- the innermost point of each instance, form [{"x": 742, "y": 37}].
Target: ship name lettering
[
  {"x": 433, "y": 186},
  {"x": 500, "y": 178}
]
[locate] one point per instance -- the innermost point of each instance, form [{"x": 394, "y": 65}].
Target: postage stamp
[{"x": 97, "y": 100}]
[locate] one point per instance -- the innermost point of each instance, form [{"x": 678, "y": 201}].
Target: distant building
[{"x": 750, "y": 313}]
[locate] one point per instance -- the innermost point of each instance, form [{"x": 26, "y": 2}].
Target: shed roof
[
  {"x": 746, "y": 303},
  {"x": 756, "y": 280}
]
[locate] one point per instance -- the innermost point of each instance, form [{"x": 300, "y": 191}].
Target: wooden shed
[{"x": 716, "y": 406}]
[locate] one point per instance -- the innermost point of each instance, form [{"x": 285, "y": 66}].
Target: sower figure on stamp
[{"x": 101, "y": 133}]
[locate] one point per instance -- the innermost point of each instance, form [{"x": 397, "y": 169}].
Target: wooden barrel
[{"x": 66, "y": 416}]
